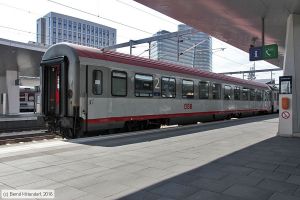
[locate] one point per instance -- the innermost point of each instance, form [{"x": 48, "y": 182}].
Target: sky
[{"x": 132, "y": 20}]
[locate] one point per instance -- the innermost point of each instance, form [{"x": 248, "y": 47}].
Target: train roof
[{"x": 113, "y": 56}]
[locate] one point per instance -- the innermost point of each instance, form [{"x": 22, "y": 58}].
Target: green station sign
[
  {"x": 270, "y": 51},
  {"x": 263, "y": 53}
]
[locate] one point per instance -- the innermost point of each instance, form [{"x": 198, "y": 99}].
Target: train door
[
  {"x": 54, "y": 87},
  {"x": 267, "y": 100},
  {"x": 276, "y": 101},
  {"x": 94, "y": 91},
  {"x": 228, "y": 103}
]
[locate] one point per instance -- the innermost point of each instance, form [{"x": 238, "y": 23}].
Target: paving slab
[
  {"x": 68, "y": 192},
  {"x": 211, "y": 184},
  {"x": 208, "y": 195},
  {"x": 279, "y": 196},
  {"x": 174, "y": 190},
  {"x": 242, "y": 179},
  {"x": 278, "y": 186},
  {"x": 270, "y": 174},
  {"x": 294, "y": 179},
  {"x": 248, "y": 192},
  {"x": 105, "y": 189}
]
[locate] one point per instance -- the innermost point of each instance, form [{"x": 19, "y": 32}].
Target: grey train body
[{"x": 85, "y": 89}]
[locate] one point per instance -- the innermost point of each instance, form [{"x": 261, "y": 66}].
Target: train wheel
[
  {"x": 68, "y": 133},
  {"x": 143, "y": 125},
  {"x": 129, "y": 126}
]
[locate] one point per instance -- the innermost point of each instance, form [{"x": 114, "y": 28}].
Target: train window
[
  {"x": 97, "y": 82},
  {"x": 187, "y": 89},
  {"x": 245, "y": 94},
  {"x": 203, "y": 90},
  {"x": 168, "y": 87},
  {"x": 118, "y": 83},
  {"x": 259, "y": 95},
  {"x": 216, "y": 91},
  {"x": 143, "y": 85},
  {"x": 252, "y": 95},
  {"x": 237, "y": 93},
  {"x": 227, "y": 92},
  {"x": 269, "y": 96},
  {"x": 266, "y": 95}
]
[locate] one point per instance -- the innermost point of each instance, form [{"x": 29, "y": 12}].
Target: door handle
[{"x": 91, "y": 101}]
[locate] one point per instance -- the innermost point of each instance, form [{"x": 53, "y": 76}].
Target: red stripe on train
[{"x": 147, "y": 117}]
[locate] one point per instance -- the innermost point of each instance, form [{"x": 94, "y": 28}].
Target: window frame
[
  {"x": 230, "y": 97},
  {"x": 93, "y": 82},
  {"x": 135, "y": 84},
  {"x": 259, "y": 95},
  {"x": 251, "y": 94},
  {"x": 234, "y": 93},
  {"x": 126, "y": 85},
  {"x": 187, "y": 97},
  {"x": 219, "y": 92},
  {"x": 248, "y": 94},
  {"x": 161, "y": 80},
  {"x": 65, "y": 24},
  {"x": 70, "y": 25},
  {"x": 208, "y": 90}
]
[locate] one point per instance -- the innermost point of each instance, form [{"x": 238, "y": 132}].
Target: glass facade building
[
  {"x": 54, "y": 28},
  {"x": 199, "y": 56}
]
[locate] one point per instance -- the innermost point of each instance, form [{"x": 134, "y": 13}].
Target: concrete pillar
[
  {"x": 13, "y": 92},
  {"x": 292, "y": 68},
  {"x": 3, "y": 95}
]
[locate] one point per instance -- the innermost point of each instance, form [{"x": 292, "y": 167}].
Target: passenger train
[{"x": 85, "y": 89}]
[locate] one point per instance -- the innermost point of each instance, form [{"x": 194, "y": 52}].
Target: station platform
[
  {"x": 228, "y": 160},
  {"x": 19, "y": 122}
]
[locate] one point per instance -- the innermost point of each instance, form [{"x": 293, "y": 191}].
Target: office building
[
  {"x": 54, "y": 28},
  {"x": 194, "y": 50}
]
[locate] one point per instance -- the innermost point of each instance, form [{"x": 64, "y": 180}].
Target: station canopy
[
  {"x": 235, "y": 22},
  {"x": 22, "y": 57}
]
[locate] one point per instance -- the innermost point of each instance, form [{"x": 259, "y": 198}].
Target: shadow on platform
[
  {"x": 267, "y": 170},
  {"x": 151, "y": 135}
]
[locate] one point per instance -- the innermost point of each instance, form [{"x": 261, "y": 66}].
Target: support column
[
  {"x": 292, "y": 68},
  {"x": 13, "y": 92},
  {"x": 3, "y": 95}
]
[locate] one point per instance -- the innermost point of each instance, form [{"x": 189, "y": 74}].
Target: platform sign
[
  {"x": 270, "y": 51},
  {"x": 255, "y": 53},
  {"x": 263, "y": 53},
  {"x": 285, "y": 106}
]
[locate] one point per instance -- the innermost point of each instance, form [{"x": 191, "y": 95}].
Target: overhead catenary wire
[
  {"x": 20, "y": 30},
  {"x": 20, "y": 9},
  {"x": 79, "y": 10},
  {"x": 36, "y": 14},
  {"x": 141, "y": 10},
  {"x": 37, "y": 34},
  {"x": 229, "y": 59},
  {"x": 110, "y": 20}
]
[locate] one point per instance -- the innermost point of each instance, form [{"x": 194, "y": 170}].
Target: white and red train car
[{"x": 85, "y": 89}]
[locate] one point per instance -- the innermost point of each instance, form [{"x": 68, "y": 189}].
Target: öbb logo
[{"x": 188, "y": 106}]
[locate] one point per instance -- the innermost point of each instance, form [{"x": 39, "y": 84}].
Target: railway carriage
[{"x": 85, "y": 89}]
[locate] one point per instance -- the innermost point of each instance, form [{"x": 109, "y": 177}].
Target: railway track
[
  {"x": 19, "y": 129},
  {"x": 28, "y": 137}
]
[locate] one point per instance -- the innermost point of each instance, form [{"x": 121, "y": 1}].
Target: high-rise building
[
  {"x": 194, "y": 50},
  {"x": 54, "y": 28}
]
